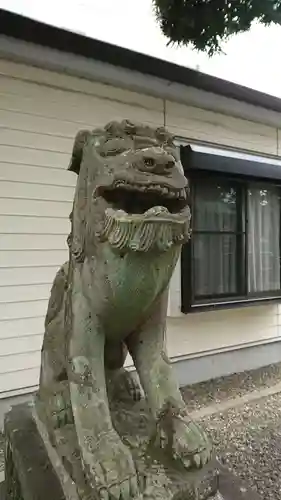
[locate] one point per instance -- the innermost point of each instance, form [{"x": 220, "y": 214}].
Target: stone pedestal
[{"x": 31, "y": 475}]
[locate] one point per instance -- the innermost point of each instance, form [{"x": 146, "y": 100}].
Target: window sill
[{"x": 234, "y": 303}]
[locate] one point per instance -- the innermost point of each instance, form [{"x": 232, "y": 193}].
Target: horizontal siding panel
[
  {"x": 21, "y": 327},
  {"x": 33, "y": 225},
  {"x": 22, "y": 139},
  {"x": 44, "y": 108},
  {"x": 262, "y": 316},
  {"x": 38, "y": 124},
  {"x": 24, "y": 293},
  {"x": 36, "y": 191},
  {"x": 31, "y": 123},
  {"x": 18, "y": 310},
  {"x": 28, "y": 156},
  {"x": 27, "y": 344},
  {"x": 279, "y": 142},
  {"x": 37, "y": 175},
  {"x": 20, "y": 207},
  {"x": 174, "y": 299},
  {"x": 28, "y": 275},
  {"x": 206, "y": 331},
  {"x": 19, "y": 362},
  {"x": 19, "y": 258},
  {"x": 32, "y": 242},
  {"x": 68, "y": 86},
  {"x": 199, "y": 124},
  {"x": 202, "y": 342},
  {"x": 18, "y": 380},
  {"x": 89, "y": 109}
]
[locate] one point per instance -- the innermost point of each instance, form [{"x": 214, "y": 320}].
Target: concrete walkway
[{"x": 250, "y": 397}]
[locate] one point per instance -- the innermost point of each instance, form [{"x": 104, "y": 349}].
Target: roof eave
[{"x": 28, "y": 30}]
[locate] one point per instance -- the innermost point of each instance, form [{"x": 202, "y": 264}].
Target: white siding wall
[
  {"x": 201, "y": 333},
  {"x": 40, "y": 113}
]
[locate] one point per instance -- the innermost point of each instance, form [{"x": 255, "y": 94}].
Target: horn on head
[{"x": 77, "y": 150}]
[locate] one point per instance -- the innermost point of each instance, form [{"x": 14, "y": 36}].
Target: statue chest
[{"x": 134, "y": 283}]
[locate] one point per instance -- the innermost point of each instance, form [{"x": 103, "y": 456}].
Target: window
[
  {"x": 216, "y": 239},
  {"x": 233, "y": 256}
]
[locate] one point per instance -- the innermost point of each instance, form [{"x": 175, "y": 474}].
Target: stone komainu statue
[{"x": 130, "y": 217}]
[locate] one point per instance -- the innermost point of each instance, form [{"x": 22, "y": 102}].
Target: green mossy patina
[{"x": 130, "y": 217}]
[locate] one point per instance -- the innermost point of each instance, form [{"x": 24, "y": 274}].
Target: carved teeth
[
  {"x": 120, "y": 212},
  {"x": 157, "y": 210},
  {"x": 172, "y": 194},
  {"x": 110, "y": 212},
  {"x": 152, "y": 188}
]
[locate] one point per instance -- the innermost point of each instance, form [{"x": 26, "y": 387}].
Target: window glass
[
  {"x": 235, "y": 244},
  {"x": 214, "y": 264},
  {"x": 214, "y": 243},
  {"x": 215, "y": 207},
  {"x": 263, "y": 236}
]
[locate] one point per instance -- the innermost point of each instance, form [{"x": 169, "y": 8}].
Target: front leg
[
  {"x": 147, "y": 347},
  {"x": 121, "y": 384},
  {"x": 107, "y": 461}
]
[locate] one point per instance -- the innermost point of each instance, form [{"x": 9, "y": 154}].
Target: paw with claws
[
  {"x": 185, "y": 439},
  {"x": 109, "y": 467},
  {"x": 122, "y": 384},
  {"x": 190, "y": 443}
]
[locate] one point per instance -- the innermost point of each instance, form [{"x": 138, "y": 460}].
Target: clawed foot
[
  {"x": 122, "y": 384},
  {"x": 109, "y": 467},
  {"x": 132, "y": 386},
  {"x": 188, "y": 442}
]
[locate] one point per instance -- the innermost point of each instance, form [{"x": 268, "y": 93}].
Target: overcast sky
[{"x": 251, "y": 59}]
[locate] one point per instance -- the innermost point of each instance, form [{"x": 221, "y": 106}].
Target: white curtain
[
  {"x": 214, "y": 247},
  {"x": 263, "y": 239}
]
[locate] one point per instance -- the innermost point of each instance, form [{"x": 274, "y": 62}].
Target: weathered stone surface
[
  {"x": 2, "y": 491},
  {"x": 130, "y": 217},
  {"x": 30, "y": 474},
  {"x": 95, "y": 432}
]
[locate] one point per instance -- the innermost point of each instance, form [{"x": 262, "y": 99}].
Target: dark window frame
[{"x": 188, "y": 302}]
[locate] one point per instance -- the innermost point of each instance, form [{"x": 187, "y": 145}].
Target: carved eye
[{"x": 149, "y": 162}]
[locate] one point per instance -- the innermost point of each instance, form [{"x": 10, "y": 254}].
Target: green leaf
[{"x": 206, "y": 24}]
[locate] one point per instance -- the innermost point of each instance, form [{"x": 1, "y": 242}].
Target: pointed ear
[{"x": 77, "y": 151}]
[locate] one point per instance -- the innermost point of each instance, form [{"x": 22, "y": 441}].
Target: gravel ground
[
  {"x": 247, "y": 438},
  {"x": 248, "y": 441},
  {"x": 220, "y": 389}
]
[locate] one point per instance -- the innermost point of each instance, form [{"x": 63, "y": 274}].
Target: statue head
[{"x": 131, "y": 190}]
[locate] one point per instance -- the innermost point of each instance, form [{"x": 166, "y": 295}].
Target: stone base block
[{"x": 31, "y": 475}]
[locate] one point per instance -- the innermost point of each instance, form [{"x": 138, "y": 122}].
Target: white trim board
[{"x": 71, "y": 64}]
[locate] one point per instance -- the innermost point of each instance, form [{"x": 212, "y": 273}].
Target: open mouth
[
  {"x": 134, "y": 199},
  {"x": 142, "y": 217}
]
